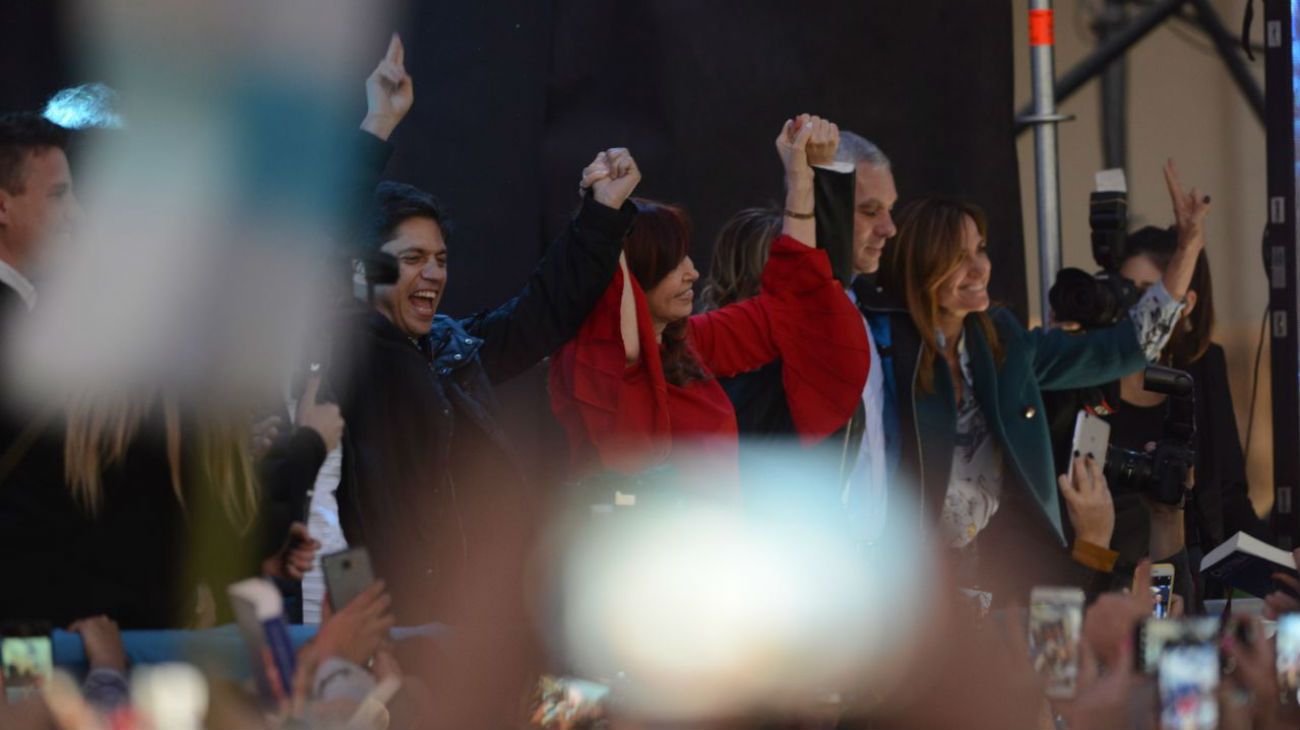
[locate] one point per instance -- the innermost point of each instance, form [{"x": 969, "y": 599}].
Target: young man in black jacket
[{"x": 429, "y": 482}]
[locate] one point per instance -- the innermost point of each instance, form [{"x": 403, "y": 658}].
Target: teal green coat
[{"x": 1009, "y": 394}]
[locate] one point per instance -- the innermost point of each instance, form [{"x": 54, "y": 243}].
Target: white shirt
[
  {"x": 865, "y": 494},
  {"x": 975, "y": 484},
  {"x": 19, "y": 283},
  {"x": 323, "y": 525}
]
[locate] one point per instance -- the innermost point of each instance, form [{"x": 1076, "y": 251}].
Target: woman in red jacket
[{"x": 636, "y": 387}]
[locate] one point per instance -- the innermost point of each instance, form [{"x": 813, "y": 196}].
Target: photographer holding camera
[{"x": 1164, "y": 434}]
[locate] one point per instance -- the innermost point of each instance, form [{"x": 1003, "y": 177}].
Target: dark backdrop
[{"x": 514, "y": 97}]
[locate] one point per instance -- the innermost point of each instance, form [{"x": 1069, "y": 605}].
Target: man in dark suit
[{"x": 37, "y": 205}]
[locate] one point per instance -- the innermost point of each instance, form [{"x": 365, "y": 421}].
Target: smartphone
[
  {"x": 1154, "y": 634},
  {"x": 1288, "y": 657},
  {"x": 27, "y": 658},
  {"x": 1091, "y": 436},
  {"x": 1189, "y": 684},
  {"x": 347, "y": 574},
  {"x": 1055, "y": 622},
  {"x": 1162, "y": 585}
]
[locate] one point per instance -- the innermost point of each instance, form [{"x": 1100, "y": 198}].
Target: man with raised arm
[{"x": 429, "y": 484}]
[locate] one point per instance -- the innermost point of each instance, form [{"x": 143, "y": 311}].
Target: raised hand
[
  {"x": 1110, "y": 621},
  {"x": 389, "y": 92},
  {"x": 792, "y": 145},
  {"x": 612, "y": 177},
  {"x": 323, "y": 418},
  {"x": 1088, "y": 501},
  {"x": 1285, "y": 600},
  {"x": 102, "y": 641},
  {"x": 1102, "y": 701},
  {"x": 265, "y": 432},
  {"x": 358, "y": 629},
  {"x": 1189, "y": 208},
  {"x": 1189, "y": 215},
  {"x": 823, "y": 143},
  {"x": 295, "y": 557}
]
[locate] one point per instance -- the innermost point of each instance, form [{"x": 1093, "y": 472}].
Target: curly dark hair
[{"x": 660, "y": 238}]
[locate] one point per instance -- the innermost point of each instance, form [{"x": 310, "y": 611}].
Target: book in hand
[
  {"x": 259, "y": 613},
  {"x": 1248, "y": 564}
]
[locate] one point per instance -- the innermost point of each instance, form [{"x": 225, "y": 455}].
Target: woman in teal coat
[{"x": 965, "y": 384}]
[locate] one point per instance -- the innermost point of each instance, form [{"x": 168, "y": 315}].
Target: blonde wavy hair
[{"x": 99, "y": 432}]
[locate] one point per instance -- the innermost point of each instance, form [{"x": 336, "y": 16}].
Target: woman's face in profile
[
  {"x": 671, "y": 299},
  {"x": 965, "y": 290}
]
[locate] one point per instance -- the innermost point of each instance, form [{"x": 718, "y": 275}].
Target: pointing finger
[
  {"x": 1171, "y": 180},
  {"x": 396, "y": 52},
  {"x": 310, "y": 389}
]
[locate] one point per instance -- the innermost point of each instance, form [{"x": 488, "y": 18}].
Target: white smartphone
[
  {"x": 1055, "y": 623},
  {"x": 1162, "y": 585},
  {"x": 1091, "y": 436},
  {"x": 1189, "y": 683}
]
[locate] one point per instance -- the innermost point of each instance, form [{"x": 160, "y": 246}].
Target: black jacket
[{"x": 429, "y": 482}]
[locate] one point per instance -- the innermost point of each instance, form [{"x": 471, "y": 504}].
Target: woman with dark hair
[
  {"x": 637, "y": 387},
  {"x": 1219, "y": 504},
  {"x": 968, "y": 380}
]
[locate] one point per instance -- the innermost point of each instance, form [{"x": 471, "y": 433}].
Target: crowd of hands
[
  {"x": 358, "y": 633},
  {"x": 1111, "y": 692}
]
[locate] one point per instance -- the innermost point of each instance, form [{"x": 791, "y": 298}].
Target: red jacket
[{"x": 628, "y": 418}]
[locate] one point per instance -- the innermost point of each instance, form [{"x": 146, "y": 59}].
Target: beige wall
[{"x": 1182, "y": 104}]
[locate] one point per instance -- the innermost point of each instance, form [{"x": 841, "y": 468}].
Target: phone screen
[
  {"x": 1154, "y": 634},
  {"x": 1054, "y": 627},
  {"x": 1288, "y": 657},
  {"x": 1189, "y": 681},
  {"x": 28, "y": 663},
  {"x": 1163, "y": 588}
]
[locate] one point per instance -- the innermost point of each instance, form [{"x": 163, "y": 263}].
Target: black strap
[{"x": 1246, "y": 22}]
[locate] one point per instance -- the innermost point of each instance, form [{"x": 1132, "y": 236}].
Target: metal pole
[
  {"x": 1282, "y": 249},
  {"x": 1046, "y": 160},
  {"x": 1114, "y": 91},
  {"x": 1113, "y": 47}
]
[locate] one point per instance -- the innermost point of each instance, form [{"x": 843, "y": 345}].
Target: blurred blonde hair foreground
[{"x": 213, "y": 450}]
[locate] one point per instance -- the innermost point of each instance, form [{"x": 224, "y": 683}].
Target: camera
[
  {"x": 1101, "y": 300},
  {"x": 1161, "y": 473},
  {"x": 1091, "y": 301}
]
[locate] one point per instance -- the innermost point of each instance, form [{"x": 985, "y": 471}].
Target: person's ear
[
  {"x": 1191, "y": 303},
  {"x": 6, "y": 206}
]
